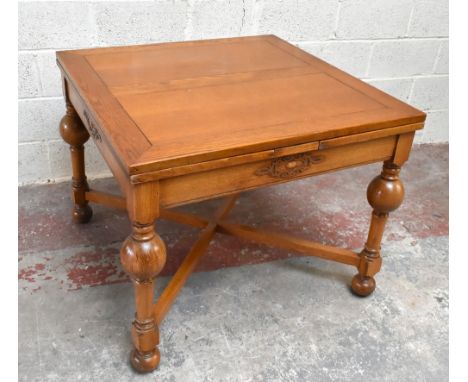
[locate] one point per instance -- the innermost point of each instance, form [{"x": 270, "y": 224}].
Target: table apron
[{"x": 223, "y": 181}]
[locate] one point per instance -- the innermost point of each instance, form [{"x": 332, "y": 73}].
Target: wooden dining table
[{"x": 182, "y": 122}]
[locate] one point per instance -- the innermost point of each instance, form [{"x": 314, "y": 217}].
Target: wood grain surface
[{"x": 174, "y": 104}]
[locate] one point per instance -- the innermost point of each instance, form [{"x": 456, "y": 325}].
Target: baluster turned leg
[
  {"x": 75, "y": 134},
  {"x": 143, "y": 256},
  {"x": 385, "y": 194}
]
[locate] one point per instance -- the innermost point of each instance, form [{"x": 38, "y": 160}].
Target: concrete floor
[{"x": 243, "y": 316}]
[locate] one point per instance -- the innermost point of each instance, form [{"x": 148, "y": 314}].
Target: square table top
[{"x": 164, "y": 105}]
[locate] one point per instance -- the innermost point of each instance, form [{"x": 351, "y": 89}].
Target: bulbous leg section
[
  {"x": 385, "y": 194},
  {"x": 143, "y": 253},
  {"x": 72, "y": 129}
]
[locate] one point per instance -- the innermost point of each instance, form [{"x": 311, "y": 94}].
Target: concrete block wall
[{"x": 400, "y": 46}]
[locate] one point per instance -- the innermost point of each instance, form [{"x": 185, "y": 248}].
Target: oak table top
[
  {"x": 181, "y": 122},
  {"x": 166, "y": 105}
]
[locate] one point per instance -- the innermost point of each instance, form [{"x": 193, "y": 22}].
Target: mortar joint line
[
  {"x": 410, "y": 20},
  {"x": 437, "y": 58},
  {"x": 337, "y": 20}
]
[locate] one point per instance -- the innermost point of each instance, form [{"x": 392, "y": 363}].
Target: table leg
[
  {"x": 75, "y": 134},
  {"x": 143, "y": 256},
  {"x": 385, "y": 194}
]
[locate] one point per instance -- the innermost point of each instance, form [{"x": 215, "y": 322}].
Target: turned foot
[
  {"x": 145, "y": 362},
  {"x": 82, "y": 214},
  {"x": 362, "y": 286}
]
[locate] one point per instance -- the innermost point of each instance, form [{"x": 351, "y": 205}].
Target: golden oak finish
[
  {"x": 385, "y": 194},
  {"x": 166, "y": 105},
  {"x": 74, "y": 133},
  {"x": 188, "y": 266},
  {"x": 219, "y": 182},
  {"x": 188, "y": 121},
  {"x": 143, "y": 256},
  {"x": 276, "y": 239},
  {"x": 106, "y": 199}
]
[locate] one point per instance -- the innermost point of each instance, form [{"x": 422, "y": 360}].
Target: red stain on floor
[
  {"x": 93, "y": 268},
  {"x": 91, "y": 275},
  {"x": 39, "y": 267},
  {"x": 29, "y": 273}
]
